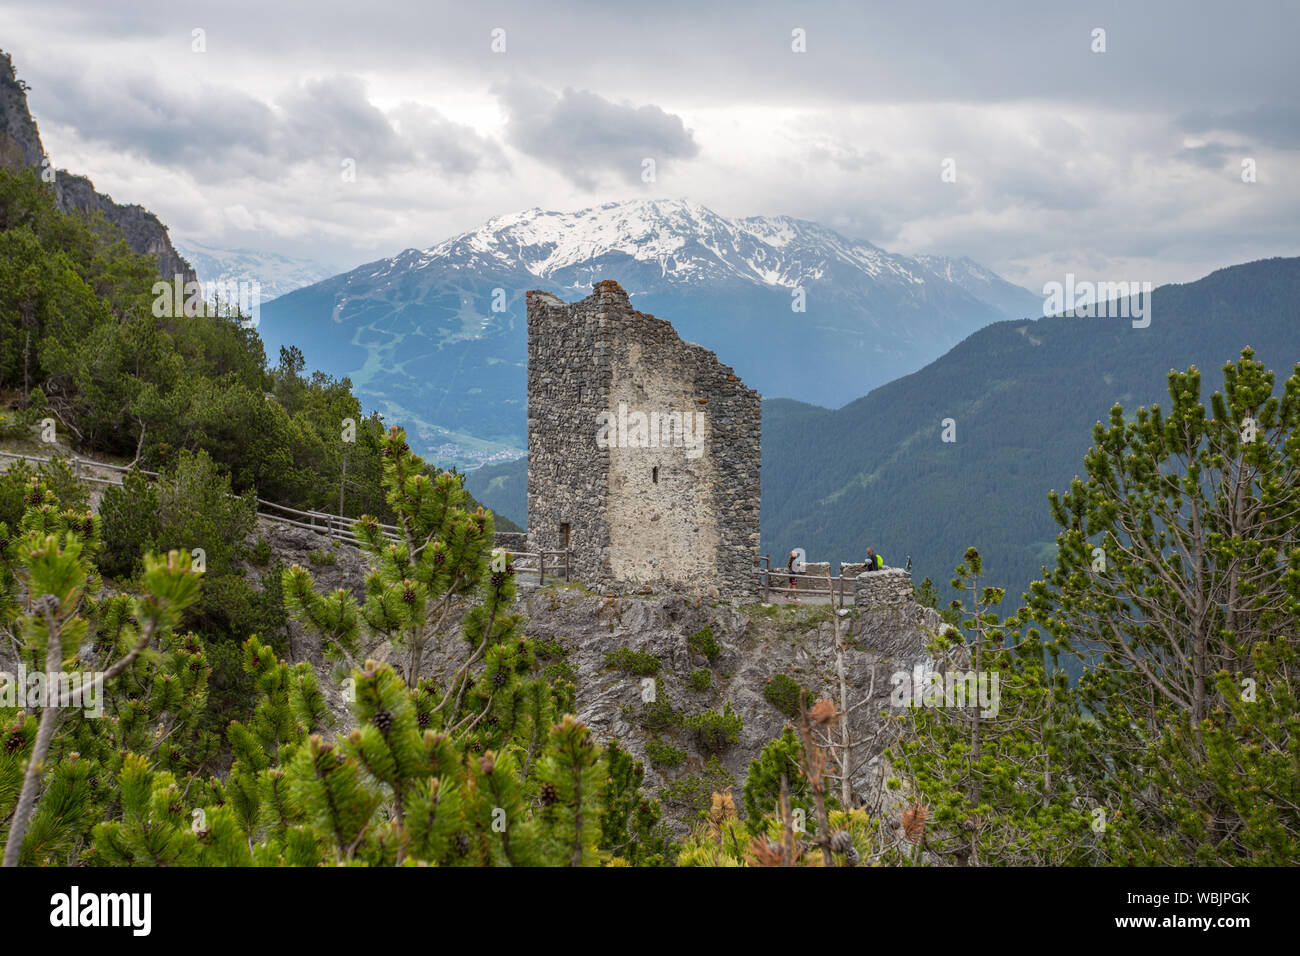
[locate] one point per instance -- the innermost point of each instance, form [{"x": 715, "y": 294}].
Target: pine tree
[
  {"x": 993, "y": 788},
  {"x": 66, "y": 779},
  {"x": 1178, "y": 582}
]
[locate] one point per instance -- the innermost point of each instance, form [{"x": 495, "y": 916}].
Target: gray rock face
[
  {"x": 20, "y": 146},
  {"x": 754, "y": 645},
  {"x": 143, "y": 231}
]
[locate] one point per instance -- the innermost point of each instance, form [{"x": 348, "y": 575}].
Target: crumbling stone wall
[{"x": 645, "y": 447}]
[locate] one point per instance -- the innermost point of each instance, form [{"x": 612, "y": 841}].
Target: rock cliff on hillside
[
  {"x": 20, "y": 146},
  {"x": 578, "y": 629}
]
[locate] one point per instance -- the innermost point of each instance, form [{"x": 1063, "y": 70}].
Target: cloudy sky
[{"x": 1123, "y": 163}]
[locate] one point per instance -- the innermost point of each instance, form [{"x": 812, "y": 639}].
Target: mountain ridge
[
  {"x": 21, "y": 146},
  {"x": 437, "y": 337}
]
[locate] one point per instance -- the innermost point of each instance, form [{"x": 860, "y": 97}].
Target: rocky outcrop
[
  {"x": 143, "y": 231},
  {"x": 20, "y": 146},
  {"x": 754, "y": 645}
]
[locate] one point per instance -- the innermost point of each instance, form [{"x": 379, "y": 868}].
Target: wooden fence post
[{"x": 541, "y": 568}]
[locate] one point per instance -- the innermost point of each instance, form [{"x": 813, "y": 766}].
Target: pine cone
[
  {"x": 383, "y": 720},
  {"x": 549, "y": 794},
  {"x": 841, "y": 841},
  {"x": 499, "y": 679},
  {"x": 15, "y": 741},
  {"x": 34, "y": 498},
  {"x": 497, "y": 579},
  {"x": 422, "y": 719},
  {"x": 408, "y": 596},
  {"x": 510, "y": 569},
  {"x": 462, "y": 843}
]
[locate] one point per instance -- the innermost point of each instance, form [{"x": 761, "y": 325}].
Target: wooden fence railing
[
  {"x": 836, "y": 588},
  {"x": 557, "y": 563}
]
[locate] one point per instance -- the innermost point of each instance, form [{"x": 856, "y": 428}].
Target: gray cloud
[
  {"x": 1274, "y": 125},
  {"x": 581, "y": 135},
  {"x": 1065, "y": 156},
  {"x": 218, "y": 133},
  {"x": 1209, "y": 156}
]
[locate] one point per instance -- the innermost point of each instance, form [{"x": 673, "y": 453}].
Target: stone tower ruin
[{"x": 643, "y": 450}]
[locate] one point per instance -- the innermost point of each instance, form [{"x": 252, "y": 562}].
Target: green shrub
[
  {"x": 659, "y": 713},
  {"x": 662, "y": 754},
  {"x": 14, "y": 425},
  {"x": 322, "y": 557},
  {"x": 714, "y": 731},
  {"x": 129, "y": 515},
  {"x": 552, "y": 648},
  {"x": 260, "y": 555},
  {"x": 702, "y": 642},
  {"x": 15, "y": 486},
  {"x": 696, "y": 791},
  {"x": 641, "y": 663},
  {"x": 189, "y": 507},
  {"x": 785, "y": 694},
  {"x": 701, "y": 679},
  {"x": 560, "y": 670},
  {"x": 780, "y": 758},
  {"x": 61, "y": 478}
]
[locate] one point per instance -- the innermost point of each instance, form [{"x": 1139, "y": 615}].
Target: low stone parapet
[{"x": 886, "y": 587}]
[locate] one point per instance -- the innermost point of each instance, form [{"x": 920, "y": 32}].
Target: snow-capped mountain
[
  {"x": 686, "y": 241},
  {"x": 796, "y": 308},
  {"x": 276, "y": 274}
]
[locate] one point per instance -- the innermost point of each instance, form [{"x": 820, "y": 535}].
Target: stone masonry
[
  {"x": 888, "y": 586},
  {"x": 643, "y": 450}
]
